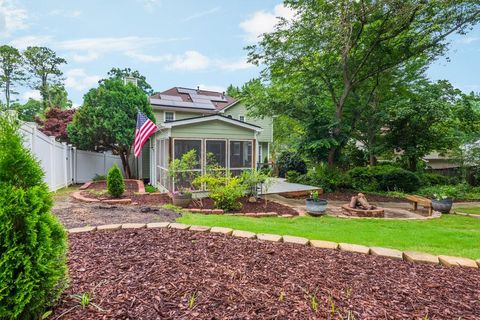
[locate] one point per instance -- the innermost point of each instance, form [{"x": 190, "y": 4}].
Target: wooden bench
[{"x": 424, "y": 202}]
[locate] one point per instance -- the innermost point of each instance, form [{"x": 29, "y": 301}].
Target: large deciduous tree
[
  {"x": 107, "y": 119},
  {"x": 54, "y": 123},
  {"x": 330, "y": 49},
  {"x": 12, "y": 72},
  {"x": 121, "y": 74},
  {"x": 44, "y": 66}
]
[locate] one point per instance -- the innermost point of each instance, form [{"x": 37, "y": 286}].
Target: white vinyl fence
[{"x": 63, "y": 164}]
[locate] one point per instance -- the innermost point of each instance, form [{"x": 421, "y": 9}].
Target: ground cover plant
[
  {"x": 449, "y": 235},
  {"x": 33, "y": 244}
]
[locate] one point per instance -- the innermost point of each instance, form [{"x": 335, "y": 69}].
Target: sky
[{"x": 173, "y": 43}]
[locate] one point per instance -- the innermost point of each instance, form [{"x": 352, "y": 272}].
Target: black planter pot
[
  {"x": 316, "y": 207},
  {"x": 443, "y": 206}
]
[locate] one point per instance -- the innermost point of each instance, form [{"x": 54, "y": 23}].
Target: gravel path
[
  {"x": 173, "y": 274},
  {"x": 74, "y": 214}
]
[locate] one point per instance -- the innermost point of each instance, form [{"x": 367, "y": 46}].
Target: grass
[
  {"x": 469, "y": 210},
  {"x": 448, "y": 235}
]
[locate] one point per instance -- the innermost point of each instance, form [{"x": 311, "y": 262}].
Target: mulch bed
[
  {"x": 156, "y": 274},
  {"x": 347, "y": 195},
  {"x": 261, "y": 205}
]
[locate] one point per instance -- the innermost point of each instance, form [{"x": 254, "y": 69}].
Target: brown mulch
[
  {"x": 155, "y": 273},
  {"x": 261, "y": 205},
  {"x": 130, "y": 186},
  {"x": 347, "y": 195}
]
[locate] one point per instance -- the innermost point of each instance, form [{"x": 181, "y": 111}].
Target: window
[
  {"x": 241, "y": 118},
  {"x": 240, "y": 155},
  {"x": 185, "y": 178},
  {"x": 169, "y": 116}
]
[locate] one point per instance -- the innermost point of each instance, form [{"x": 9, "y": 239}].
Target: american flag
[{"x": 145, "y": 128}]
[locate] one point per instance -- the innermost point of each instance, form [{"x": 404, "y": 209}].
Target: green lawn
[
  {"x": 449, "y": 235},
  {"x": 469, "y": 210}
]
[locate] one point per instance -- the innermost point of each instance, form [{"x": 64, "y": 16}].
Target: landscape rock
[
  {"x": 323, "y": 244},
  {"x": 133, "y": 225},
  {"x": 269, "y": 237},
  {"x": 419, "y": 257},
  {"x": 295, "y": 240},
  {"x": 244, "y": 234},
  {"x": 386, "y": 252},
  {"x": 221, "y": 230},
  {"x": 353, "y": 248}
]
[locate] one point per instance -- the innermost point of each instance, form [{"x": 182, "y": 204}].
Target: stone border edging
[
  {"x": 408, "y": 256},
  {"x": 77, "y": 195}
]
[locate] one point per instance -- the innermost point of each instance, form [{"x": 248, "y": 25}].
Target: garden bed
[
  {"x": 172, "y": 274},
  {"x": 347, "y": 195},
  {"x": 250, "y": 207}
]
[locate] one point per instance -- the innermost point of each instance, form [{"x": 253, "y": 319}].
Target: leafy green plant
[
  {"x": 314, "y": 195},
  {"x": 115, "y": 182},
  {"x": 290, "y": 161},
  {"x": 99, "y": 177},
  {"x": 329, "y": 179},
  {"x": 150, "y": 189},
  {"x": 251, "y": 179},
  {"x": 85, "y": 300},
  {"x": 224, "y": 189},
  {"x": 400, "y": 179},
  {"x": 33, "y": 242},
  {"x": 181, "y": 171}
]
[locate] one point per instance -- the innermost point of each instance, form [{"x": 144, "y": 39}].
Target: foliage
[
  {"x": 288, "y": 161},
  {"x": 460, "y": 191},
  {"x": 115, "y": 182},
  {"x": 29, "y": 110},
  {"x": 181, "y": 170},
  {"x": 323, "y": 67},
  {"x": 224, "y": 189},
  {"x": 253, "y": 178},
  {"x": 107, "y": 119},
  {"x": 99, "y": 177},
  {"x": 121, "y": 74},
  {"x": 399, "y": 179},
  {"x": 433, "y": 179},
  {"x": 11, "y": 71},
  {"x": 59, "y": 97},
  {"x": 234, "y": 92},
  {"x": 55, "y": 122},
  {"x": 383, "y": 178},
  {"x": 33, "y": 270},
  {"x": 449, "y": 235},
  {"x": 329, "y": 179},
  {"x": 150, "y": 189},
  {"x": 44, "y": 66}
]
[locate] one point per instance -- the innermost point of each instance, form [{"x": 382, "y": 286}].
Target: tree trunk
[
  {"x": 125, "y": 164},
  {"x": 412, "y": 163},
  {"x": 372, "y": 159}
]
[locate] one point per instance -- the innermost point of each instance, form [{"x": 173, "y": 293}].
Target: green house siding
[
  {"x": 179, "y": 115},
  {"x": 212, "y": 129},
  {"x": 265, "y": 123}
]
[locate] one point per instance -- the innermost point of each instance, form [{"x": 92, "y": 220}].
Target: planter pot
[
  {"x": 181, "y": 200},
  {"x": 316, "y": 208},
  {"x": 443, "y": 206}
]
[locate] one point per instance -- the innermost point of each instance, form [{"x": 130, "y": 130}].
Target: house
[{"x": 211, "y": 123}]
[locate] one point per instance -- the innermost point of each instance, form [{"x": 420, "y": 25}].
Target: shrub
[
  {"x": 433, "y": 179},
  {"x": 292, "y": 176},
  {"x": 251, "y": 179},
  {"x": 329, "y": 179},
  {"x": 150, "y": 189},
  {"x": 399, "y": 180},
  {"x": 224, "y": 190},
  {"x": 99, "y": 177},
  {"x": 290, "y": 161},
  {"x": 383, "y": 178},
  {"x": 459, "y": 191},
  {"x": 33, "y": 245},
  {"x": 115, "y": 183}
]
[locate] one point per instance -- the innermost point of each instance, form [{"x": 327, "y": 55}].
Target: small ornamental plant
[
  {"x": 33, "y": 243},
  {"x": 115, "y": 183}
]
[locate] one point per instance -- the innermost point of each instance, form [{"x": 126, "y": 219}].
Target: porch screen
[
  {"x": 181, "y": 147},
  {"x": 216, "y": 153},
  {"x": 240, "y": 156}
]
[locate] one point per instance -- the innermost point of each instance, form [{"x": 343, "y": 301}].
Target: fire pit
[{"x": 360, "y": 207}]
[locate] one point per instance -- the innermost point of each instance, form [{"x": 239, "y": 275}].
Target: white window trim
[
  {"x": 244, "y": 118},
  {"x": 165, "y": 115}
]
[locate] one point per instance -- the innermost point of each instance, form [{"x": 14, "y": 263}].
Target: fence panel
[{"x": 62, "y": 163}]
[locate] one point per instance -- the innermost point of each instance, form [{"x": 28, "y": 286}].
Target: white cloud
[
  {"x": 66, "y": 14},
  {"x": 148, "y": 58},
  {"x": 211, "y": 88},
  {"x": 26, "y": 41},
  {"x": 12, "y": 17},
  {"x": 240, "y": 64},
  {"x": 201, "y": 14},
  {"x": 89, "y": 56},
  {"x": 78, "y": 79},
  {"x": 191, "y": 60},
  {"x": 263, "y": 22},
  {"x": 150, "y": 5},
  {"x": 33, "y": 94}
]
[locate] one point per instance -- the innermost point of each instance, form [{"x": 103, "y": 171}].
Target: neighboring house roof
[
  {"x": 239, "y": 123},
  {"x": 185, "y": 98}
]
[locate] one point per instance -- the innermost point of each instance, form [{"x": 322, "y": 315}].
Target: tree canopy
[{"x": 107, "y": 119}]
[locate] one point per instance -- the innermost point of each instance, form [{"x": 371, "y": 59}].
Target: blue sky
[{"x": 173, "y": 43}]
